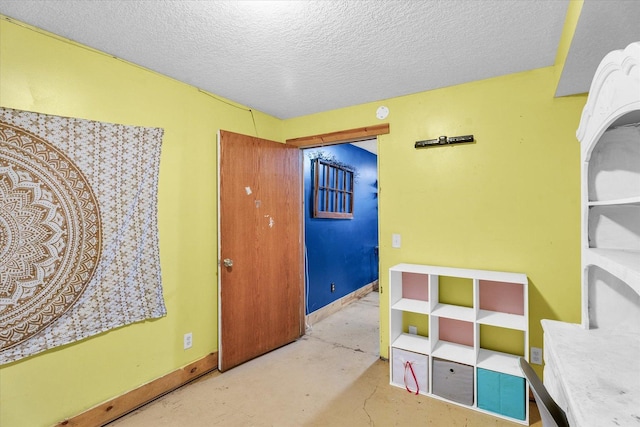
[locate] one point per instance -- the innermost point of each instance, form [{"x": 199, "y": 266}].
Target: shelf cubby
[
  {"x": 502, "y": 304},
  {"x": 614, "y": 165},
  {"x": 623, "y": 264}
]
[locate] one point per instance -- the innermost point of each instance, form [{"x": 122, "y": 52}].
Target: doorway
[
  {"x": 244, "y": 205},
  {"x": 341, "y": 252}
]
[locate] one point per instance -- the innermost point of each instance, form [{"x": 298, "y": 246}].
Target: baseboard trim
[
  {"x": 122, "y": 405},
  {"x": 339, "y": 304}
]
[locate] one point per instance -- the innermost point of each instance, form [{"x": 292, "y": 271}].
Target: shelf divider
[
  {"x": 454, "y": 312},
  {"x": 454, "y": 352},
  {"x": 410, "y": 342},
  {"x": 502, "y": 320},
  {"x": 412, "y": 305}
]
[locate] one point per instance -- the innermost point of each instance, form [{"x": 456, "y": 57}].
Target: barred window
[{"x": 333, "y": 190}]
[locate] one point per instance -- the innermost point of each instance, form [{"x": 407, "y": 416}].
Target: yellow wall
[
  {"x": 508, "y": 202},
  {"x": 42, "y": 73}
]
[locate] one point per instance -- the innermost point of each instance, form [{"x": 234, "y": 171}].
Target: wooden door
[{"x": 261, "y": 305}]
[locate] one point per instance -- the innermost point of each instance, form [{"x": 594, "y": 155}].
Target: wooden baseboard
[
  {"x": 338, "y": 305},
  {"x": 121, "y": 405}
]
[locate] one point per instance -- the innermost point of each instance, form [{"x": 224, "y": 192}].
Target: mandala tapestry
[{"x": 78, "y": 229}]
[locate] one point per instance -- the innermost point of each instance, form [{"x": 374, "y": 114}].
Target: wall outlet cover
[
  {"x": 536, "y": 355},
  {"x": 188, "y": 340},
  {"x": 413, "y": 330}
]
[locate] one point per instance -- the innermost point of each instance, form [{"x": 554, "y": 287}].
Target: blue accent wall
[{"x": 342, "y": 251}]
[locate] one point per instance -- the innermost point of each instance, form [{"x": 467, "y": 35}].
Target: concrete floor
[{"x": 333, "y": 376}]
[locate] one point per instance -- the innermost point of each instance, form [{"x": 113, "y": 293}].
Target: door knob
[{"x": 228, "y": 262}]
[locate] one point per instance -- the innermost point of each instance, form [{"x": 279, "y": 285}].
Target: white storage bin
[
  {"x": 403, "y": 363},
  {"x": 453, "y": 381}
]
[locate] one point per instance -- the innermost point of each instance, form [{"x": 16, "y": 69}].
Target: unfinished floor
[{"x": 332, "y": 376}]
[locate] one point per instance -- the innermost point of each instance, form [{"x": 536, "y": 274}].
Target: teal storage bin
[{"x": 502, "y": 394}]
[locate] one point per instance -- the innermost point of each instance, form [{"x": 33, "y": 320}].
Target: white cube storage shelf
[{"x": 453, "y": 348}]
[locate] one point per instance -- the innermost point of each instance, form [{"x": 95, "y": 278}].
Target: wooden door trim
[
  {"x": 332, "y": 138},
  {"x": 303, "y": 278}
]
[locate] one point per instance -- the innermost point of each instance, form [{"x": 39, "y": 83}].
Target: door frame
[
  {"x": 334, "y": 138},
  {"x": 312, "y": 141},
  {"x": 339, "y": 137}
]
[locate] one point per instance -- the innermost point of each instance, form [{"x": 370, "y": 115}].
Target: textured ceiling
[{"x": 292, "y": 58}]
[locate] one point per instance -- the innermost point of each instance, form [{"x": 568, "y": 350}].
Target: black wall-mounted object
[{"x": 444, "y": 140}]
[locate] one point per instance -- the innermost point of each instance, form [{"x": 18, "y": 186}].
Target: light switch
[{"x": 395, "y": 240}]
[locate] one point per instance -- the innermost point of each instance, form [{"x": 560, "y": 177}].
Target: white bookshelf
[
  {"x": 454, "y": 332},
  {"x": 609, "y": 135},
  {"x": 605, "y": 348}
]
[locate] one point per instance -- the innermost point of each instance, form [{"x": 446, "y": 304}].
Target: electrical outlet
[
  {"x": 333, "y": 287},
  {"x": 396, "y": 240},
  {"x": 536, "y": 355},
  {"x": 413, "y": 330},
  {"x": 188, "y": 340}
]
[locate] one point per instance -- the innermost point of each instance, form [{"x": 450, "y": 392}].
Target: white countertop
[{"x": 598, "y": 372}]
